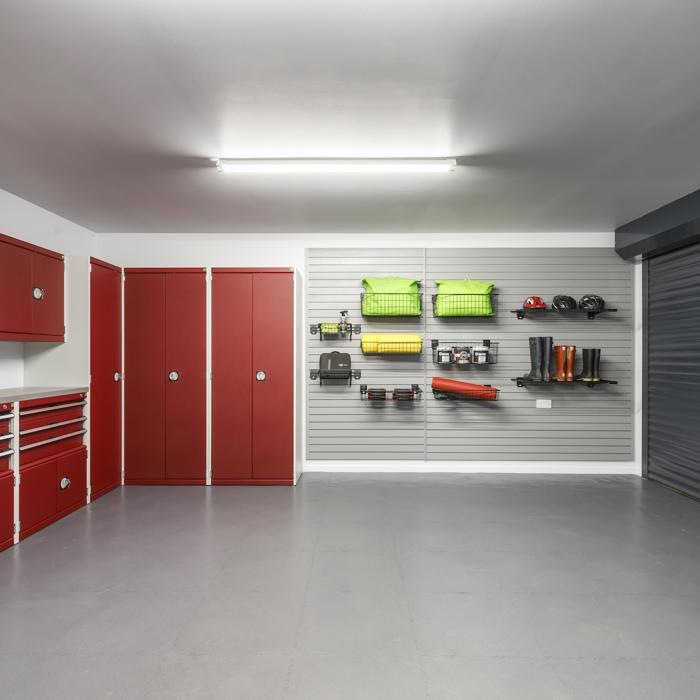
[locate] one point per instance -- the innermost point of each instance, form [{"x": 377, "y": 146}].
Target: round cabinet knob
[
  {"x": 117, "y": 376},
  {"x": 38, "y": 293},
  {"x": 261, "y": 376},
  {"x": 65, "y": 483},
  {"x": 173, "y": 376}
]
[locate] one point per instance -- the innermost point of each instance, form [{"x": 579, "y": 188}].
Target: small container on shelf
[{"x": 466, "y": 353}]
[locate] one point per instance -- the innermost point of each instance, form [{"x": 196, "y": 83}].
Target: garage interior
[{"x": 349, "y": 351}]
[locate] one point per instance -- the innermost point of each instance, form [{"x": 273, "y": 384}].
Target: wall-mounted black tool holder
[
  {"x": 336, "y": 367},
  {"x": 465, "y": 305},
  {"x": 398, "y": 394},
  {"x": 340, "y": 330},
  {"x": 465, "y": 354},
  {"x": 391, "y": 304},
  {"x": 527, "y": 381},
  {"x": 540, "y": 313}
]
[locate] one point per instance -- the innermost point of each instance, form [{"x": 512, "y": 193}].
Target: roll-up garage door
[{"x": 673, "y": 369}]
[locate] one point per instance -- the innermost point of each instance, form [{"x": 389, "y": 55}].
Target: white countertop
[{"x": 24, "y": 393}]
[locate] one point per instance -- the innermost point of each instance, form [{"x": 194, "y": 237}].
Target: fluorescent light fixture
[{"x": 336, "y": 165}]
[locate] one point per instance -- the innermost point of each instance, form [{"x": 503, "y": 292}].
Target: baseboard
[
  {"x": 252, "y": 482},
  {"x": 447, "y": 467},
  {"x": 165, "y": 482},
  {"x": 97, "y": 494}
]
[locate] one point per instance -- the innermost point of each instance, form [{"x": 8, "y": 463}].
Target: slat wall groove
[{"x": 583, "y": 424}]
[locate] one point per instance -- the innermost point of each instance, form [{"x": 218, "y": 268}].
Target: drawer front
[
  {"x": 31, "y": 404},
  {"x": 61, "y": 440},
  {"x": 60, "y": 415},
  {"x": 71, "y": 480},
  {"x": 37, "y": 493},
  {"x": 7, "y": 505}
]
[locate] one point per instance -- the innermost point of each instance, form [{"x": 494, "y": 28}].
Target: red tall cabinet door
[
  {"x": 144, "y": 376},
  {"x": 185, "y": 365},
  {"x": 47, "y": 305},
  {"x": 273, "y": 390},
  {"x": 105, "y": 377},
  {"x": 232, "y": 371},
  {"x": 15, "y": 288}
]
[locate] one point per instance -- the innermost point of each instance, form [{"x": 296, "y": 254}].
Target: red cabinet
[
  {"x": 7, "y": 510},
  {"x": 165, "y": 376},
  {"x": 252, "y": 376},
  {"x": 105, "y": 377},
  {"x": 32, "y": 292}
]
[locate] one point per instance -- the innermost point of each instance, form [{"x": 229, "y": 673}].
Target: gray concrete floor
[{"x": 352, "y": 586}]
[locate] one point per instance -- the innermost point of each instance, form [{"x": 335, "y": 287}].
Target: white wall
[
  {"x": 288, "y": 250},
  {"x": 28, "y": 363}
]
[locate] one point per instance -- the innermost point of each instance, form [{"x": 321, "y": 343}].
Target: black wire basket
[
  {"x": 391, "y": 304},
  {"x": 465, "y": 305}
]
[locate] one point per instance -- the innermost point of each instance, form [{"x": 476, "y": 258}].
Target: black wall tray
[
  {"x": 522, "y": 313},
  {"x": 474, "y": 396},
  {"x": 317, "y": 329},
  {"x": 523, "y": 381},
  {"x": 398, "y": 394}
]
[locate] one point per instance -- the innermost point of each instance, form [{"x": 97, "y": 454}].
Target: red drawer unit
[
  {"x": 7, "y": 510},
  {"x": 50, "y": 426},
  {"x": 6, "y": 437}
]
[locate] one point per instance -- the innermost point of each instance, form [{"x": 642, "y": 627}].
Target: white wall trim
[{"x": 448, "y": 467}]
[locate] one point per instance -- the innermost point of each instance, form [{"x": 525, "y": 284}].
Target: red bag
[{"x": 474, "y": 391}]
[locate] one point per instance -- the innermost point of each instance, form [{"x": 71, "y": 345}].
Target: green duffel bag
[
  {"x": 391, "y": 296},
  {"x": 463, "y": 298}
]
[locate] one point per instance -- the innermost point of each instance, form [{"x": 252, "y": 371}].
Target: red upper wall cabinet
[{"x": 31, "y": 292}]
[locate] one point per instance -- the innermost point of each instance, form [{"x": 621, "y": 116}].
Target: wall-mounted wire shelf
[
  {"x": 334, "y": 331},
  {"x": 465, "y": 305},
  {"x": 526, "y": 381},
  {"x": 465, "y": 353},
  {"x": 398, "y": 394},
  {"x": 534, "y": 313},
  {"x": 391, "y": 304},
  {"x": 335, "y": 375}
]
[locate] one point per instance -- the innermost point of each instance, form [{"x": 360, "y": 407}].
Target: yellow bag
[{"x": 395, "y": 343}]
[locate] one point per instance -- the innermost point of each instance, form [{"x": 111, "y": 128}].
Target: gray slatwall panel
[{"x": 583, "y": 424}]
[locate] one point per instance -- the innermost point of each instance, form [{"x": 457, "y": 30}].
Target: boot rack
[{"x": 522, "y": 381}]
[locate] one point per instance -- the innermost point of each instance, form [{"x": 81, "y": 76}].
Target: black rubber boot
[
  {"x": 587, "y": 369},
  {"x": 535, "y": 360},
  {"x": 546, "y": 342},
  {"x": 595, "y": 365}
]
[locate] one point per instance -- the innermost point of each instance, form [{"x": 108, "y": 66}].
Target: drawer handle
[
  {"x": 53, "y": 439},
  {"x": 6, "y": 436},
  {"x": 64, "y": 483},
  {"x": 54, "y": 407},
  {"x": 173, "y": 376},
  {"x": 52, "y": 425},
  {"x": 6, "y": 416},
  {"x": 38, "y": 293},
  {"x": 7, "y": 453}
]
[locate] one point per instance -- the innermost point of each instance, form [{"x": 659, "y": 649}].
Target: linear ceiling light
[{"x": 336, "y": 165}]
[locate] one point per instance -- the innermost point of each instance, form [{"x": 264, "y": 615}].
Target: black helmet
[
  {"x": 561, "y": 302},
  {"x": 591, "y": 302}
]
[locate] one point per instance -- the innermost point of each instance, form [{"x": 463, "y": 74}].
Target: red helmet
[{"x": 534, "y": 303}]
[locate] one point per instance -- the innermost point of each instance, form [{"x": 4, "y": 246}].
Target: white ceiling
[{"x": 570, "y": 115}]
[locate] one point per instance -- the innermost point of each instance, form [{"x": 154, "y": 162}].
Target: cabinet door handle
[
  {"x": 173, "y": 376},
  {"x": 64, "y": 483},
  {"x": 261, "y": 376},
  {"x": 38, "y": 293},
  {"x": 117, "y": 376}
]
